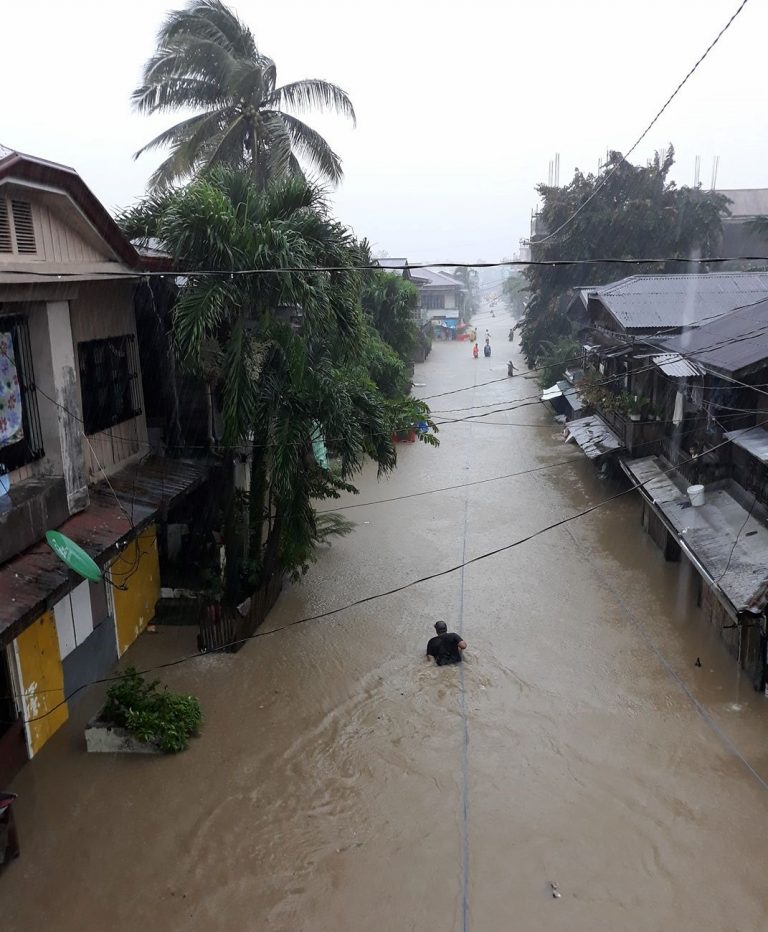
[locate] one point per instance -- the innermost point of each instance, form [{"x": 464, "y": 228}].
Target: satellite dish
[
  {"x": 5, "y": 484},
  {"x": 73, "y": 555}
]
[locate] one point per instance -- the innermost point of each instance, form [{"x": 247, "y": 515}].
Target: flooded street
[{"x": 341, "y": 782}]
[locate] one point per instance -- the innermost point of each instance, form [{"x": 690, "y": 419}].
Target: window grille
[
  {"x": 109, "y": 381},
  {"x": 30, "y": 446}
]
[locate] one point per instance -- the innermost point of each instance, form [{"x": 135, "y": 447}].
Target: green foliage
[
  {"x": 150, "y": 714},
  {"x": 207, "y": 61},
  {"x": 470, "y": 279},
  {"x": 390, "y": 302},
  {"x": 637, "y": 213},
  {"x": 555, "y": 358},
  {"x": 515, "y": 291},
  {"x": 274, "y": 384}
]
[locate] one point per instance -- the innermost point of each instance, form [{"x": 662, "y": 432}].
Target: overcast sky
[{"x": 460, "y": 106}]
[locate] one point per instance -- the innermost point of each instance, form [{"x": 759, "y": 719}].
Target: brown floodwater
[{"x": 343, "y": 783}]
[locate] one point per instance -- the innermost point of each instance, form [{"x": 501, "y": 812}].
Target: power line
[
  {"x": 450, "y": 488},
  {"x": 314, "y": 269},
  {"x": 363, "y": 601},
  {"x": 648, "y": 128}
]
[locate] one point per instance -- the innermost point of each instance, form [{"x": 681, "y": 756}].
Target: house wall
[
  {"x": 61, "y": 234},
  {"x": 138, "y": 567},
  {"x": 80, "y": 639},
  {"x": 102, "y": 310},
  {"x": 42, "y": 681}
]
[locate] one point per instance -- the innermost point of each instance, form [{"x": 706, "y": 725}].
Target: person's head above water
[{"x": 441, "y": 627}]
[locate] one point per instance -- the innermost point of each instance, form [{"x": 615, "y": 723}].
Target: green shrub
[{"x": 151, "y": 714}]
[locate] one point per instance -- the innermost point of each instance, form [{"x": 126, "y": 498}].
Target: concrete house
[
  {"x": 441, "y": 297},
  {"x": 74, "y": 450}
]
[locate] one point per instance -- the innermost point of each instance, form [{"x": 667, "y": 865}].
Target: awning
[
  {"x": 36, "y": 579},
  {"x": 752, "y": 439},
  {"x": 725, "y": 540},
  {"x": 555, "y": 391},
  {"x": 593, "y": 435},
  {"x": 675, "y": 365},
  {"x": 563, "y": 389}
]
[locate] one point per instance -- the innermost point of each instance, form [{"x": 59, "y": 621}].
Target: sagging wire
[{"x": 634, "y": 486}]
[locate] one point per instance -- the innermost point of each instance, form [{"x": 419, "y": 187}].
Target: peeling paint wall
[
  {"x": 42, "y": 681},
  {"x": 139, "y": 568}
]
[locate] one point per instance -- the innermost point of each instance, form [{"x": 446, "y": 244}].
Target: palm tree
[
  {"x": 276, "y": 388},
  {"x": 207, "y": 60}
]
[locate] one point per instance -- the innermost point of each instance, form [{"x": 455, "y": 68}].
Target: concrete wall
[
  {"x": 92, "y": 659},
  {"x": 42, "y": 681},
  {"x": 138, "y": 568},
  {"x": 102, "y": 310}
]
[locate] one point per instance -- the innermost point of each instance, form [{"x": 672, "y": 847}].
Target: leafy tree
[
  {"x": 277, "y": 389},
  {"x": 470, "y": 279},
  {"x": 515, "y": 291},
  {"x": 637, "y": 213},
  {"x": 207, "y": 61},
  {"x": 555, "y": 358},
  {"x": 390, "y": 301}
]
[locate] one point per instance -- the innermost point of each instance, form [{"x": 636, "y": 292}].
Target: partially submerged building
[
  {"x": 75, "y": 453},
  {"x": 675, "y": 394}
]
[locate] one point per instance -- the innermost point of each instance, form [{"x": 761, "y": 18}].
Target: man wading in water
[{"x": 445, "y": 648}]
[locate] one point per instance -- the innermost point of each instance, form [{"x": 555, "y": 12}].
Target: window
[
  {"x": 17, "y": 228},
  {"x": 432, "y": 302},
  {"x": 109, "y": 381},
  {"x": 21, "y": 437}
]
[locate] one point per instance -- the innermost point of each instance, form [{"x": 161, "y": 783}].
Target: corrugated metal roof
[
  {"x": 556, "y": 390},
  {"x": 434, "y": 279},
  {"x": 36, "y": 579},
  {"x": 593, "y": 435},
  {"x": 653, "y": 302},
  {"x": 729, "y": 541},
  {"x": 674, "y": 365},
  {"x": 565, "y": 390},
  {"x": 730, "y": 344},
  {"x": 752, "y": 439}
]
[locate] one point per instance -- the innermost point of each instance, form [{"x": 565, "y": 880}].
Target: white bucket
[{"x": 696, "y": 494}]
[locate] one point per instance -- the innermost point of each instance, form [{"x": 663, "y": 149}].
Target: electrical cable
[
  {"x": 366, "y": 599},
  {"x": 648, "y": 128},
  {"x": 449, "y": 488},
  {"x": 315, "y": 269}
]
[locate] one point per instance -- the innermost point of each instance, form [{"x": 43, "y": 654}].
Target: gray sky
[{"x": 460, "y": 106}]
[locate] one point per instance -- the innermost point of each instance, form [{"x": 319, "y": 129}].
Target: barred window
[
  {"x": 21, "y": 436},
  {"x": 109, "y": 381}
]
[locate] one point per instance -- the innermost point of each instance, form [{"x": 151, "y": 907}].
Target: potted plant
[{"x": 140, "y": 717}]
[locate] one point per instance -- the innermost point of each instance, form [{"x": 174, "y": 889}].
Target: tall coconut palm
[{"x": 207, "y": 60}]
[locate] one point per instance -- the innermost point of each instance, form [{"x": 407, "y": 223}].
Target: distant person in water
[
  {"x": 475, "y": 351},
  {"x": 445, "y": 647}
]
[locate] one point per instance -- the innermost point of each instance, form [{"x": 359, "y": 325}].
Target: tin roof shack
[
  {"x": 726, "y": 541},
  {"x": 72, "y": 412},
  {"x": 634, "y": 373}
]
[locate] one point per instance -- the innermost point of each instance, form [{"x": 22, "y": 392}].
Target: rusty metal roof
[{"x": 35, "y": 580}]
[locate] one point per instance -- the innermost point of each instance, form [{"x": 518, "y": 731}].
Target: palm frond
[
  {"x": 310, "y": 146},
  {"x": 312, "y": 94}
]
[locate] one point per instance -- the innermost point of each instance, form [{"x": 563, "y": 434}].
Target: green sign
[{"x": 75, "y": 557}]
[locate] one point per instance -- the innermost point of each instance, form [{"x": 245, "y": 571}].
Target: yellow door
[
  {"x": 42, "y": 678},
  {"x": 138, "y": 569}
]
